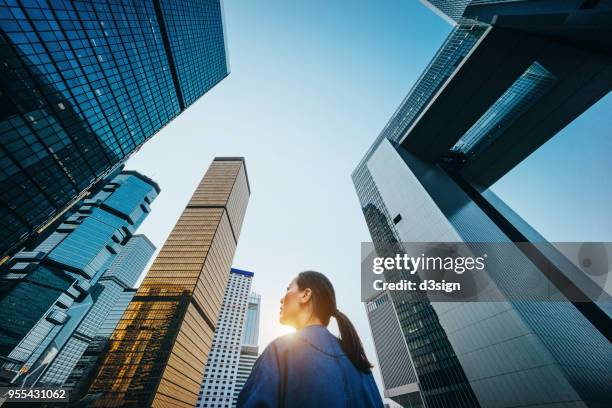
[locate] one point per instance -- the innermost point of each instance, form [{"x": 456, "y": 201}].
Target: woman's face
[{"x": 291, "y": 304}]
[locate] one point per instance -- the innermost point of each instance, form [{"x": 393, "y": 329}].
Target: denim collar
[{"x": 319, "y": 338}]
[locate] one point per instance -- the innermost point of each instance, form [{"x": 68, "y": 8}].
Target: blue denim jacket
[{"x": 308, "y": 369}]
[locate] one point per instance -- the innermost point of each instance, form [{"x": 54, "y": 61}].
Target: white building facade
[{"x": 219, "y": 384}]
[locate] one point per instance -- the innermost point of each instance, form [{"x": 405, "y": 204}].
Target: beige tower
[{"x": 159, "y": 349}]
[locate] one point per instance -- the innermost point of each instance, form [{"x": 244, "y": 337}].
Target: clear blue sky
[{"x": 312, "y": 83}]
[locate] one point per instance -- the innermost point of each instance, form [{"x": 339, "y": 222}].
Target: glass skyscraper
[
  {"x": 54, "y": 295},
  {"x": 121, "y": 275},
  {"x": 79, "y": 379},
  {"x": 219, "y": 381},
  {"x": 505, "y": 81},
  {"x": 446, "y": 381},
  {"x": 250, "y": 334},
  {"x": 84, "y": 84},
  {"x": 157, "y": 353},
  {"x": 396, "y": 368}
]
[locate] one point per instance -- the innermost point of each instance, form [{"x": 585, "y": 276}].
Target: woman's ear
[{"x": 306, "y": 295}]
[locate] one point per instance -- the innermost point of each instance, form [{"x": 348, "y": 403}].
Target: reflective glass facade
[
  {"x": 219, "y": 382},
  {"x": 158, "y": 351},
  {"x": 84, "y": 84},
  {"x": 81, "y": 376},
  {"x": 451, "y": 8},
  {"x": 515, "y": 101},
  {"x": 442, "y": 382},
  {"x": 396, "y": 368},
  {"x": 58, "y": 279},
  {"x": 121, "y": 275},
  {"x": 249, "y": 349},
  {"x": 195, "y": 34},
  {"x": 250, "y": 334},
  {"x": 500, "y": 354}
]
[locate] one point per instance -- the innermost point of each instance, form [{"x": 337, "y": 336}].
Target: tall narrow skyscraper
[
  {"x": 219, "y": 380},
  {"x": 158, "y": 351},
  {"x": 84, "y": 84}
]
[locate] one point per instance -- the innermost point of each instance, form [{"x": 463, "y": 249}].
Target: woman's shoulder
[
  {"x": 281, "y": 343},
  {"x": 284, "y": 342},
  {"x": 319, "y": 339}
]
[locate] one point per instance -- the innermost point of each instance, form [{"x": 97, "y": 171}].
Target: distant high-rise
[
  {"x": 84, "y": 84},
  {"x": 120, "y": 276},
  {"x": 157, "y": 353},
  {"x": 54, "y": 295},
  {"x": 510, "y": 75},
  {"x": 249, "y": 349},
  {"x": 219, "y": 381}
]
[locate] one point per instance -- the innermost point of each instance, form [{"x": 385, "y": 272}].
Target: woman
[{"x": 312, "y": 367}]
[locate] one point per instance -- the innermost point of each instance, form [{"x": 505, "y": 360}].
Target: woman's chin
[{"x": 284, "y": 321}]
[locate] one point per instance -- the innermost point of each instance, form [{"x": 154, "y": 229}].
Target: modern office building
[
  {"x": 54, "y": 294},
  {"x": 219, "y": 381},
  {"x": 249, "y": 347},
  {"x": 157, "y": 353},
  {"x": 81, "y": 376},
  {"x": 122, "y": 275},
  {"x": 396, "y": 369},
  {"x": 84, "y": 84},
  {"x": 510, "y": 75}
]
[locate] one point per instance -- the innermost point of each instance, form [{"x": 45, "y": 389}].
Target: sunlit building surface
[
  {"x": 56, "y": 294},
  {"x": 121, "y": 275},
  {"x": 157, "y": 353},
  {"x": 219, "y": 382},
  {"x": 510, "y": 75},
  {"x": 80, "y": 378},
  {"x": 84, "y": 84}
]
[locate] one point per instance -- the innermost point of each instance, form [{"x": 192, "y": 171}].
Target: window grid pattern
[
  {"x": 441, "y": 379},
  {"x": 250, "y": 334},
  {"x": 219, "y": 382},
  {"x": 195, "y": 31},
  {"x": 84, "y": 85},
  {"x": 515, "y": 101},
  {"x": 395, "y": 365},
  {"x": 159, "y": 349},
  {"x": 456, "y": 47},
  {"x": 123, "y": 272},
  {"x": 452, "y": 8},
  {"x": 248, "y": 357},
  {"x": 61, "y": 279},
  {"x": 81, "y": 374}
]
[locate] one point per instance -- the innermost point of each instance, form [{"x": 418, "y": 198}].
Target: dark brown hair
[{"x": 324, "y": 307}]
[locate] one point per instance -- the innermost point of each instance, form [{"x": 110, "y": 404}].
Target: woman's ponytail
[
  {"x": 324, "y": 307},
  {"x": 350, "y": 342}
]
